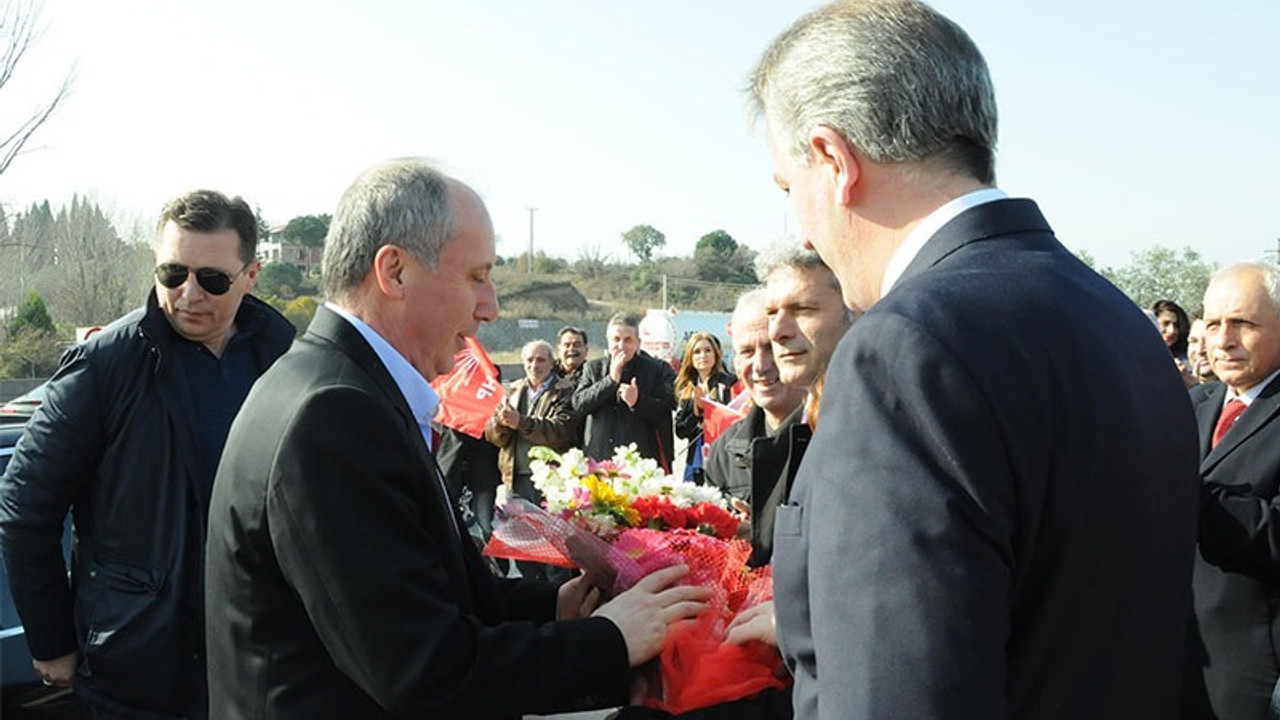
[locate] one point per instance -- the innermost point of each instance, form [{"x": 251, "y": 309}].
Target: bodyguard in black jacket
[{"x": 128, "y": 440}]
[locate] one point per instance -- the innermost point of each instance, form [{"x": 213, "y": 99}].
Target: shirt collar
[
  {"x": 423, "y": 400},
  {"x": 1252, "y": 393},
  {"x": 931, "y": 224}
]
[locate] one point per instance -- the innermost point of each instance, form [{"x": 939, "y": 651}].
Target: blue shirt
[{"x": 217, "y": 387}]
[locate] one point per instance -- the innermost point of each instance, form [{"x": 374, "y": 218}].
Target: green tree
[
  {"x": 642, "y": 240},
  {"x": 97, "y": 276},
  {"x": 32, "y": 316},
  {"x": 30, "y": 353},
  {"x": 308, "y": 230},
  {"x": 1161, "y": 273},
  {"x": 712, "y": 253},
  {"x": 280, "y": 279},
  {"x": 717, "y": 243}
]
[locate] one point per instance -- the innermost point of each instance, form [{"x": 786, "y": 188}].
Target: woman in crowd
[
  {"x": 701, "y": 374},
  {"x": 1175, "y": 328}
]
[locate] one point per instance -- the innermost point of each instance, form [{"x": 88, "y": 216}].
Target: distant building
[{"x": 274, "y": 249}]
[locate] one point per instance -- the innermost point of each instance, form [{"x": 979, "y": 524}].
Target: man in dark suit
[
  {"x": 974, "y": 531},
  {"x": 339, "y": 581},
  {"x": 626, "y": 397},
  {"x": 1237, "y": 574}
]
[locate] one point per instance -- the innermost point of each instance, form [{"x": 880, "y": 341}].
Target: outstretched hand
[{"x": 644, "y": 612}]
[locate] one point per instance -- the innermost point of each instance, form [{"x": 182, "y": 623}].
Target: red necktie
[{"x": 1228, "y": 418}]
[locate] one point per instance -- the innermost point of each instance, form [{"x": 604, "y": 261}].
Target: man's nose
[
  {"x": 764, "y": 362},
  {"x": 487, "y": 303},
  {"x": 781, "y": 326},
  {"x": 191, "y": 289}
]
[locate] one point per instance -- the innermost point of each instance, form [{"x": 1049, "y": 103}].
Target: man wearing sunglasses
[{"x": 128, "y": 440}]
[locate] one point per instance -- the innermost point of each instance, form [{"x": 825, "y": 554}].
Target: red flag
[
  {"x": 469, "y": 394},
  {"x": 717, "y": 417}
]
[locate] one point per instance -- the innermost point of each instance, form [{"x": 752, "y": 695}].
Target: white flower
[{"x": 559, "y": 477}]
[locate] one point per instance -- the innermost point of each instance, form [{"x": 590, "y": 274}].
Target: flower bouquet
[{"x": 621, "y": 519}]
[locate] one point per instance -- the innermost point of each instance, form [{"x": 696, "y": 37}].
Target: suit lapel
[
  {"x": 1258, "y": 414},
  {"x": 986, "y": 221}
]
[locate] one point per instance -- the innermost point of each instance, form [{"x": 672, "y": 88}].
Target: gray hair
[
  {"x": 626, "y": 319},
  {"x": 750, "y": 303},
  {"x": 403, "y": 202},
  {"x": 895, "y": 78},
  {"x": 791, "y": 255},
  {"x": 1269, "y": 274},
  {"x": 543, "y": 344}
]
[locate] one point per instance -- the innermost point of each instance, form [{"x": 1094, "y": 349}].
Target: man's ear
[
  {"x": 251, "y": 276},
  {"x": 389, "y": 265},
  {"x": 835, "y": 155}
]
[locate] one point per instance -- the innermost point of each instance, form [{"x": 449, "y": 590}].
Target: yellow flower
[{"x": 610, "y": 501}]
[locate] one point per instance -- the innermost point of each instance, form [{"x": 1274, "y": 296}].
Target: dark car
[
  {"x": 21, "y": 408},
  {"x": 21, "y": 692}
]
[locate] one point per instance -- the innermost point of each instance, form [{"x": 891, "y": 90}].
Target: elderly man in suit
[
  {"x": 973, "y": 532},
  {"x": 339, "y": 581},
  {"x": 1237, "y": 575}
]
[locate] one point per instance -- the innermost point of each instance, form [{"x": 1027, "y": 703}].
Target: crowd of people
[{"x": 957, "y": 525}]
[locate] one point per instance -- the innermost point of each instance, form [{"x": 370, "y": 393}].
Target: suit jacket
[
  {"x": 610, "y": 423},
  {"x": 551, "y": 422},
  {"x": 338, "y": 584},
  {"x": 996, "y": 516},
  {"x": 1237, "y": 573}
]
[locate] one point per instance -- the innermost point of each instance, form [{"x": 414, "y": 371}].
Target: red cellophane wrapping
[{"x": 696, "y": 668}]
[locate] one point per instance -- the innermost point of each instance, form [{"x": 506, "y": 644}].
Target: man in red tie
[{"x": 1238, "y": 568}]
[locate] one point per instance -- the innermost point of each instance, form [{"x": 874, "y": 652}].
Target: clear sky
[{"x": 1132, "y": 122}]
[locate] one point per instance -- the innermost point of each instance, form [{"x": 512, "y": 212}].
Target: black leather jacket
[
  {"x": 115, "y": 442},
  {"x": 754, "y": 466}
]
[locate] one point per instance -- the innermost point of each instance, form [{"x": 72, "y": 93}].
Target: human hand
[
  {"x": 754, "y": 623},
  {"x": 58, "y": 671},
  {"x": 643, "y": 613},
  {"x": 577, "y": 599},
  {"x": 508, "y": 416},
  {"x": 629, "y": 393},
  {"x": 698, "y": 395},
  {"x": 617, "y": 359}
]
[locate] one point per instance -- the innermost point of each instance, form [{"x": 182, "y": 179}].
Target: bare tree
[{"x": 19, "y": 31}]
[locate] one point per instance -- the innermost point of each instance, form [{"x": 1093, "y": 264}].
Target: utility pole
[
  {"x": 664, "y": 291},
  {"x": 529, "y": 265}
]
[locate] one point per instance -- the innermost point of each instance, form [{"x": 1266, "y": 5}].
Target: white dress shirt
[{"x": 931, "y": 224}]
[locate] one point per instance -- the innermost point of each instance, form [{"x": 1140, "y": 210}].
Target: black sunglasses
[{"x": 211, "y": 280}]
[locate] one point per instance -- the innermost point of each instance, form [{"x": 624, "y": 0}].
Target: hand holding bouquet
[{"x": 620, "y": 520}]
